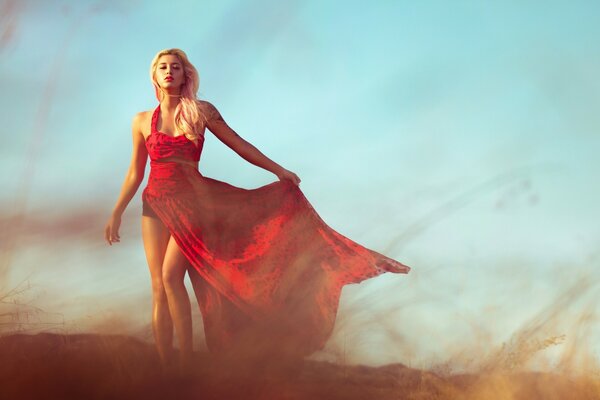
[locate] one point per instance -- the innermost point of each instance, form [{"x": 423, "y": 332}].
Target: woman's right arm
[{"x": 133, "y": 179}]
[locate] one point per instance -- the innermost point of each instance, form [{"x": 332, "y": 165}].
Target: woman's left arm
[{"x": 245, "y": 149}]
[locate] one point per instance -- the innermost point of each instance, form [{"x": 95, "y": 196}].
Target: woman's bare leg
[
  {"x": 175, "y": 266},
  {"x": 156, "y": 237}
]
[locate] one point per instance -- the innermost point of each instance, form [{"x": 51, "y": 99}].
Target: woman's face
[{"x": 169, "y": 71}]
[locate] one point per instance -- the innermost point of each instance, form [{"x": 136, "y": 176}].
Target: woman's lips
[{"x": 168, "y": 79}]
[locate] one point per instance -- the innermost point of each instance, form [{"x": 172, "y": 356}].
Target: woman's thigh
[
  {"x": 175, "y": 264},
  {"x": 156, "y": 238}
]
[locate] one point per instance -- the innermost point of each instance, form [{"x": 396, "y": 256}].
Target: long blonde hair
[{"x": 189, "y": 119}]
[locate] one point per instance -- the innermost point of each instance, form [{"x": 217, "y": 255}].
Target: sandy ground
[{"x": 90, "y": 366}]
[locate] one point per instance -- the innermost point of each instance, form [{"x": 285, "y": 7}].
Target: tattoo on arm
[{"x": 215, "y": 115}]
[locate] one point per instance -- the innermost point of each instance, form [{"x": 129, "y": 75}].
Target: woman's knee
[
  {"x": 159, "y": 295},
  {"x": 172, "y": 276},
  {"x": 174, "y": 266}
]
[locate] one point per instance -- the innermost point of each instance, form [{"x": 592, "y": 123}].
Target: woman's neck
[{"x": 169, "y": 103}]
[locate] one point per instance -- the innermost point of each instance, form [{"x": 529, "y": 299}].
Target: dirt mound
[{"x": 89, "y": 366}]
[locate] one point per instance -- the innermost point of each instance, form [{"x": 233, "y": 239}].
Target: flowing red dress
[{"x": 272, "y": 270}]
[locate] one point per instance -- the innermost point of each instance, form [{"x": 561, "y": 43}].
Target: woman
[{"x": 266, "y": 270}]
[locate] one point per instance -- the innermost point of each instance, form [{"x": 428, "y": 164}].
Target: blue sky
[{"x": 460, "y": 138}]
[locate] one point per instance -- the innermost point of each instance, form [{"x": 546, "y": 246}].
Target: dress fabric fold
[{"x": 271, "y": 269}]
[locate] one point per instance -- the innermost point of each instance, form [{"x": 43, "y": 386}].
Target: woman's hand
[
  {"x": 286, "y": 174},
  {"x": 111, "y": 230}
]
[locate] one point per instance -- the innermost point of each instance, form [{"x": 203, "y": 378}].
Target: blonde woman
[{"x": 266, "y": 270}]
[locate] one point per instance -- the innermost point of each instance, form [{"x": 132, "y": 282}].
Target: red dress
[{"x": 272, "y": 269}]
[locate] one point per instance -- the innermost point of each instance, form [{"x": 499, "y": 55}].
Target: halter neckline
[{"x": 155, "y": 121}]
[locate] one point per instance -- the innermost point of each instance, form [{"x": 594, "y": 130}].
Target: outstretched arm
[{"x": 245, "y": 149}]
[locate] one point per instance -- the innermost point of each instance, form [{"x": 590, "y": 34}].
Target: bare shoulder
[
  {"x": 204, "y": 104},
  {"x": 141, "y": 122},
  {"x": 139, "y": 118},
  {"x": 209, "y": 110},
  {"x": 142, "y": 116}
]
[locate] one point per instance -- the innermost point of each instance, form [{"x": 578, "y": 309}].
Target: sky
[{"x": 460, "y": 138}]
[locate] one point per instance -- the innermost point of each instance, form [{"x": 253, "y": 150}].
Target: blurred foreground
[{"x": 95, "y": 366}]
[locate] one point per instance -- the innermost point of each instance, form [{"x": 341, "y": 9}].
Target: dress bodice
[{"x": 161, "y": 145}]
